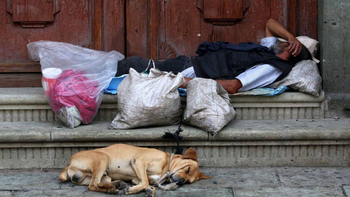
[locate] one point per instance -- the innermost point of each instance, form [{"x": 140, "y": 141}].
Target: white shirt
[
  {"x": 262, "y": 74},
  {"x": 255, "y": 77}
]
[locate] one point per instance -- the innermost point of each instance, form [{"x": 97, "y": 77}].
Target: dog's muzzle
[
  {"x": 165, "y": 177},
  {"x": 179, "y": 182}
]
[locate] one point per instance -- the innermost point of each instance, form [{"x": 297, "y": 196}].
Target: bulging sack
[
  {"x": 304, "y": 77},
  {"x": 148, "y": 100},
  {"x": 208, "y": 105},
  {"x": 74, "y": 78}
]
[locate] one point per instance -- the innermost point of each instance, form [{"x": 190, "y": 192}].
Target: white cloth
[
  {"x": 189, "y": 72},
  {"x": 260, "y": 75},
  {"x": 268, "y": 41},
  {"x": 255, "y": 77}
]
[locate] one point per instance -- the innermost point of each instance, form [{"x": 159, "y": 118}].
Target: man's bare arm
[
  {"x": 230, "y": 85},
  {"x": 275, "y": 29}
]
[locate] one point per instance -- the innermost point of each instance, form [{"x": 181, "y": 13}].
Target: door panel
[
  {"x": 252, "y": 27},
  {"x": 32, "y": 13},
  {"x": 307, "y": 18},
  {"x": 72, "y": 25},
  {"x": 215, "y": 10},
  {"x": 113, "y": 33},
  {"x": 182, "y": 26},
  {"x": 96, "y": 24},
  {"x": 137, "y": 28}
]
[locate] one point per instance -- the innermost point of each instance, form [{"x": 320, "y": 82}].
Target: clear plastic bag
[{"x": 74, "y": 78}]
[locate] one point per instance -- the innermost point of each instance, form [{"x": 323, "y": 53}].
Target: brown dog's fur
[{"x": 102, "y": 169}]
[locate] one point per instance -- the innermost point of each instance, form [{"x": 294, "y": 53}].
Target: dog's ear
[
  {"x": 202, "y": 176},
  {"x": 190, "y": 154}
]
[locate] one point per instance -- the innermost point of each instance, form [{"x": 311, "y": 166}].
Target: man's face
[
  {"x": 282, "y": 52},
  {"x": 285, "y": 45}
]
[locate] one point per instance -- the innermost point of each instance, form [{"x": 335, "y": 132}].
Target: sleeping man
[{"x": 247, "y": 66}]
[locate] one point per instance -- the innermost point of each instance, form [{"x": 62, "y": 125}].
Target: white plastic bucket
[{"x": 49, "y": 78}]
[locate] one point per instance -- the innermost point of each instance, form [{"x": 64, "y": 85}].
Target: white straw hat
[{"x": 310, "y": 43}]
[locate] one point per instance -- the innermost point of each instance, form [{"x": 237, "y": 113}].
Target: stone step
[
  {"x": 30, "y": 105},
  {"x": 242, "y": 143}
]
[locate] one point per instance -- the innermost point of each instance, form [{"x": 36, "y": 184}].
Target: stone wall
[{"x": 334, "y": 36}]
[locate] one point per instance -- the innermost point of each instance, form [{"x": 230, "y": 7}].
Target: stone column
[{"x": 334, "y": 36}]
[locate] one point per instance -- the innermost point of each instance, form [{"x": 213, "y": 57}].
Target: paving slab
[
  {"x": 61, "y": 193},
  {"x": 323, "y": 177},
  {"x": 225, "y": 182},
  {"x": 5, "y": 193},
  {"x": 195, "y": 192},
  {"x": 240, "y": 177},
  {"x": 29, "y": 180},
  {"x": 346, "y": 190},
  {"x": 291, "y": 192}
]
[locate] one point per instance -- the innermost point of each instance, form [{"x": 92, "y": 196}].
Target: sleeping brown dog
[{"x": 105, "y": 169}]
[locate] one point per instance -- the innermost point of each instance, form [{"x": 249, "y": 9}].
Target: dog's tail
[{"x": 64, "y": 174}]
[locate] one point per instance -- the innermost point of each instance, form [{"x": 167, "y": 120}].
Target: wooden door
[
  {"x": 96, "y": 24},
  {"x": 167, "y": 28},
  {"x": 158, "y": 29}
]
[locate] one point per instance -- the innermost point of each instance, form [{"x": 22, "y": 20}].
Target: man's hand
[
  {"x": 275, "y": 29},
  {"x": 294, "y": 46}
]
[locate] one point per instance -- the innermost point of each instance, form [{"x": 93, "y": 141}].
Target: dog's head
[{"x": 186, "y": 169}]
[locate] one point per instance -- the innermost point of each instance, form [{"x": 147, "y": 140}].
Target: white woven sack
[
  {"x": 148, "y": 100},
  {"x": 304, "y": 77},
  {"x": 208, "y": 105}
]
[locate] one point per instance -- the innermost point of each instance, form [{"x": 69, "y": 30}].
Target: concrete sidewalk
[{"x": 237, "y": 182}]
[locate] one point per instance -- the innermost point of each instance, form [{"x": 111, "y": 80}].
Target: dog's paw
[
  {"x": 123, "y": 191},
  {"x": 150, "y": 191},
  {"x": 120, "y": 185},
  {"x": 113, "y": 191}
]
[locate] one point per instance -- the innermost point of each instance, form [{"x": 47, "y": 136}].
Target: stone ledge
[
  {"x": 271, "y": 130},
  {"x": 242, "y": 143},
  {"x": 235, "y": 131},
  {"x": 18, "y": 96},
  {"x": 30, "y": 105}
]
